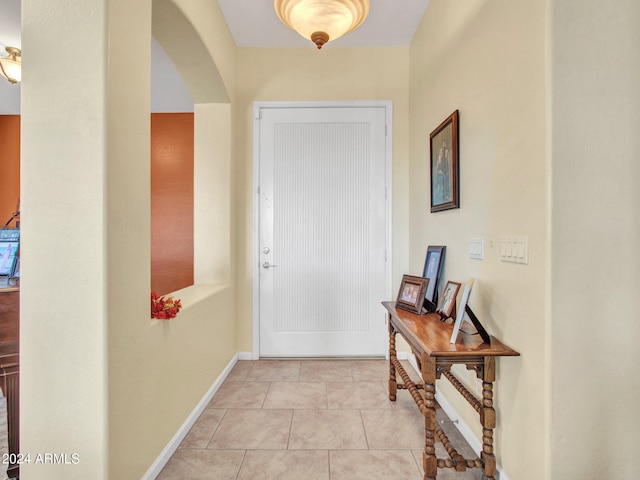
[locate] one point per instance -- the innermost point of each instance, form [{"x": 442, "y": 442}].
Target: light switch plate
[
  {"x": 476, "y": 248},
  {"x": 514, "y": 249}
]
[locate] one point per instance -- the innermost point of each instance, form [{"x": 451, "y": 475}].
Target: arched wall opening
[{"x": 211, "y": 151}]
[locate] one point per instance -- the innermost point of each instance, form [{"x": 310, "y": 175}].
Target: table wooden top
[{"x": 429, "y": 334}]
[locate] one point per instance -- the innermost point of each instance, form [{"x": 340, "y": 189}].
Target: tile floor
[{"x": 311, "y": 420}]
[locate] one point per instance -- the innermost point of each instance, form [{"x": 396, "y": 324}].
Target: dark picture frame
[
  {"x": 448, "y": 300},
  {"x": 16, "y": 268},
  {"x": 411, "y": 293},
  {"x": 445, "y": 165},
  {"x": 433, "y": 264}
]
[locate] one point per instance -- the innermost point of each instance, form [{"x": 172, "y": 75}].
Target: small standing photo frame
[
  {"x": 461, "y": 310},
  {"x": 411, "y": 293},
  {"x": 433, "y": 264},
  {"x": 448, "y": 300}
]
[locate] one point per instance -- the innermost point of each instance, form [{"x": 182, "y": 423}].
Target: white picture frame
[{"x": 466, "y": 293}]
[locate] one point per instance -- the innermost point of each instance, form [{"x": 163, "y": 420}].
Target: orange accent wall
[
  {"x": 171, "y": 201},
  {"x": 171, "y": 194},
  {"x": 9, "y": 166}
]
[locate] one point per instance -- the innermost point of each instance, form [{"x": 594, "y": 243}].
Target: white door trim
[{"x": 255, "y": 257}]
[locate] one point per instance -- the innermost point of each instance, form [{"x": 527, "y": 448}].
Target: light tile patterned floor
[{"x": 311, "y": 420}]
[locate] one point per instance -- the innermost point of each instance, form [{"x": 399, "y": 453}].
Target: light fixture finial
[{"x": 319, "y": 38}]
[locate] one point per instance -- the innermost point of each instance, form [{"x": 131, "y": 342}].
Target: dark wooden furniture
[
  {"x": 429, "y": 339},
  {"x": 10, "y": 369}
]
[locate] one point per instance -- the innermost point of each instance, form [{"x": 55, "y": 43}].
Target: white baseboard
[
  {"x": 464, "y": 429},
  {"x": 182, "y": 432},
  {"x": 246, "y": 356}
]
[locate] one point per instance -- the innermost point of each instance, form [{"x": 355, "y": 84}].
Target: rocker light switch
[{"x": 514, "y": 249}]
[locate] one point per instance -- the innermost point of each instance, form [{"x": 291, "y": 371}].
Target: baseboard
[
  {"x": 182, "y": 432},
  {"x": 245, "y": 356},
  {"x": 462, "y": 427}
]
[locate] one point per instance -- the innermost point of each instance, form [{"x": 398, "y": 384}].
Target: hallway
[{"x": 311, "y": 419}]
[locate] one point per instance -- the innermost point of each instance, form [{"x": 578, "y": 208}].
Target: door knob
[{"x": 267, "y": 265}]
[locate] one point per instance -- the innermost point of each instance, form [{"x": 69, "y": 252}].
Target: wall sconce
[
  {"x": 322, "y": 20},
  {"x": 11, "y": 66}
]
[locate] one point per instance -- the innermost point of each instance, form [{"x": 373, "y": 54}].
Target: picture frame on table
[
  {"x": 411, "y": 293},
  {"x": 445, "y": 165},
  {"x": 448, "y": 300},
  {"x": 8, "y": 252},
  {"x": 433, "y": 265},
  {"x": 16, "y": 268},
  {"x": 466, "y": 293}
]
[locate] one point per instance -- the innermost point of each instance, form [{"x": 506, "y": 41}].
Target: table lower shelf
[{"x": 455, "y": 461}]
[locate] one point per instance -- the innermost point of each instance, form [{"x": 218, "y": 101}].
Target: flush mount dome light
[
  {"x": 322, "y": 20},
  {"x": 11, "y": 66}
]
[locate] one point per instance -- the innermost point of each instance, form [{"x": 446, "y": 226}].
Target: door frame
[{"x": 255, "y": 257}]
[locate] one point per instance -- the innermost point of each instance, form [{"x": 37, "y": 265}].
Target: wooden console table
[
  {"x": 429, "y": 339},
  {"x": 10, "y": 372}
]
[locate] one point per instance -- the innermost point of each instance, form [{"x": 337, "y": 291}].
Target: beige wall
[
  {"x": 595, "y": 120},
  {"x": 487, "y": 60},
  {"x": 537, "y": 101},
  {"x": 99, "y": 377},
  {"x": 282, "y": 74},
  {"x": 63, "y": 286}
]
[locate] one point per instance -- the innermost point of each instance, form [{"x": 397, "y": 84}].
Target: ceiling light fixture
[
  {"x": 11, "y": 66},
  {"x": 322, "y": 20}
]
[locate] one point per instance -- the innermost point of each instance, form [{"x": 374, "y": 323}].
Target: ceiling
[
  {"x": 253, "y": 23},
  {"x": 9, "y": 25}
]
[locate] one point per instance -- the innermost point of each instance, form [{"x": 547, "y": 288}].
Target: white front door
[{"x": 322, "y": 231}]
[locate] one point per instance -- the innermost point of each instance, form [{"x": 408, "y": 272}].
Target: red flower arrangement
[{"x": 162, "y": 308}]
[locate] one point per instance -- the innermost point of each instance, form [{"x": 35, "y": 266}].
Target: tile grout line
[
  {"x": 215, "y": 430},
  {"x": 366, "y": 437},
  {"x": 293, "y": 412},
  {"x": 244, "y": 456}
]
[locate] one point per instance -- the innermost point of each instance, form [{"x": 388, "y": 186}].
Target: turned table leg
[
  {"x": 10, "y": 385},
  {"x": 488, "y": 418},
  {"x": 393, "y": 385},
  {"x": 429, "y": 459}
]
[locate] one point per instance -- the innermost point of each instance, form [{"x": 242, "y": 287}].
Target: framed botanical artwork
[
  {"x": 461, "y": 310},
  {"x": 448, "y": 300},
  {"x": 445, "y": 171},
  {"x": 432, "y": 270},
  {"x": 411, "y": 293}
]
